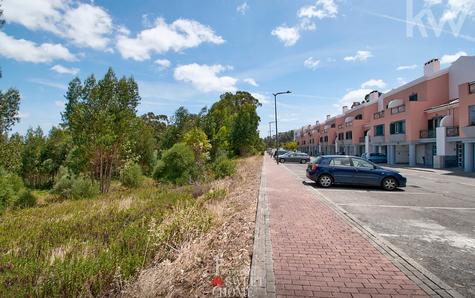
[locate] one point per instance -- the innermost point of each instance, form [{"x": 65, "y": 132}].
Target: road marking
[
  {"x": 410, "y": 207},
  {"x": 378, "y": 191}
]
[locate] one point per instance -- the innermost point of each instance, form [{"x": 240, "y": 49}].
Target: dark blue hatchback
[{"x": 327, "y": 170}]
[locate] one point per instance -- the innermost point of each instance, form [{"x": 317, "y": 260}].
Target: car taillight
[{"x": 314, "y": 167}]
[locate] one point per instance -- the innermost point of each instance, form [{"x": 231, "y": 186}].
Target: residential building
[{"x": 429, "y": 121}]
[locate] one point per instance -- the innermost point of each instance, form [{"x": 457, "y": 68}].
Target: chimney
[
  {"x": 373, "y": 96},
  {"x": 317, "y": 122},
  {"x": 328, "y": 117},
  {"x": 431, "y": 67},
  {"x": 345, "y": 109}
]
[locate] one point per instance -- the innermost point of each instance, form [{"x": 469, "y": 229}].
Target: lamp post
[
  {"x": 270, "y": 132},
  {"x": 275, "y": 115}
]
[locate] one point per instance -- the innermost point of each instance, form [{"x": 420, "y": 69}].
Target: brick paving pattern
[{"x": 316, "y": 254}]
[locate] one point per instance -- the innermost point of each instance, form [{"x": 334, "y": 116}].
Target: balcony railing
[
  {"x": 427, "y": 134},
  {"x": 398, "y": 110},
  {"x": 378, "y": 115},
  {"x": 362, "y": 140},
  {"x": 452, "y": 131}
]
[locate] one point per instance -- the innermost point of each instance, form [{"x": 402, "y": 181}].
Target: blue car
[
  {"x": 375, "y": 157},
  {"x": 328, "y": 170}
]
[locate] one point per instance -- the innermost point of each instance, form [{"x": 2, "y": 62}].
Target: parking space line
[
  {"x": 378, "y": 192},
  {"x": 409, "y": 207}
]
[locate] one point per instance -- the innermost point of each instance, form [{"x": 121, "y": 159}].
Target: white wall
[{"x": 461, "y": 71}]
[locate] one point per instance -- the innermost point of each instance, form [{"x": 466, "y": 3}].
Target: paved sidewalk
[{"x": 316, "y": 253}]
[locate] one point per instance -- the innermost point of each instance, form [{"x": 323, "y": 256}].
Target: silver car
[{"x": 294, "y": 157}]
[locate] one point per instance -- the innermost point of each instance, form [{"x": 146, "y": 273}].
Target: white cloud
[
  {"x": 23, "y": 115},
  {"x": 401, "y": 81},
  {"x": 86, "y": 25},
  {"x": 360, "y": 56},
  {"x": 311, "y": 63},
  {"x": 65, "y": 70},
  {"x": 288, "y": 35},
  {"x": 263, "y": 99},
  {"x": 378, "y": 84},
  {"x": 243, "y": 8},
  {"x": 449, "y": 59},
  {"x": 205, "y": 77},
  {"x": 60, "y": 104},
  {"x": 251, "y": 82},
  {"x": 405, "y": 67},
  {"x": 353, "y": 96},
  {"x": 163, "y": 37},
  {"x": 28, "y": 51},
  {"x": 163, "y": 63},
  {"x": 321, "y": 9},
  {"x": 47, "y": 83}
]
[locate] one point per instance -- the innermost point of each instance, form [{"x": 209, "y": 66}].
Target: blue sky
[{"x": 183, "y": 52}]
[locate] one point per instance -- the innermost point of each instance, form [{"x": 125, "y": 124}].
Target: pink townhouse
[{"x": 428, "y": 122}]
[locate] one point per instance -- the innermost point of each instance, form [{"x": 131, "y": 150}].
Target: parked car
[
  {"x": 327, "y": 170},
  {"x": 294, "y": 157},
  {"x": 375, "y": 157},
  {"x": 279, "y": 153}
]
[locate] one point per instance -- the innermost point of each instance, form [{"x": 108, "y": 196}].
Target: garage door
[{"x": 402, "y": 154}]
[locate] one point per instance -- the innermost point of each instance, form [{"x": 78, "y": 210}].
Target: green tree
[
  {"x": 101, "y": 116},
  {"x": 232, "y": 123},
  {"x": 32, "y": 169},
  {"x": 145, "y": 147},
  {"x": 9, "y": 106},
  {"x": 198, "y": 141},
  {"x": 11, "y": 153},
  {"x": 181, "y": 122},
  {"x": 178, "y": 165},
  {"x": 292, "y": 146}
]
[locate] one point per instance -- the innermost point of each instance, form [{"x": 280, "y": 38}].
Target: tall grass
[{"x": 89, "y": 247}]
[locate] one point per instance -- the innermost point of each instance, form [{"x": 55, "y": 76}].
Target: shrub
[
  {"x": 25, "y": 200},
  {"x": 62, "y": 187},
  {"x": 84, "y": 188},
  {"x": 177, "y": 165},
  {"x": 68, "y": 187},
  {"x": 10, "y": 186},
  {"x": 223, "y": 167},
  {"x": 132, "y": 176}
]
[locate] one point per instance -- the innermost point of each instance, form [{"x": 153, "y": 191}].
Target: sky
[{"x": 329, "y": 53}]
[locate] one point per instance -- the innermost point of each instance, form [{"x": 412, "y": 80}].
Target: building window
[
  {"x": 378, "y": 115},
  {"x": 398, "y": 127},
  {"x": 326, "y": 139},
  {"x": 341, "y": 136},
  {"x": 349, "y": 135},
  {"x": 379, "y": 130},
  {"x": 340, "y": 126},
  {"x": 398, "y": 110},
  {"x": 333, "y": 125},
  {"x": 349, "y": 124},
  {"x": 471, "y": 88},
  {"x": 413, "y": 97},
  {"x": 471, "y": 115},
  {"x": 321, "y": 139},
  {"x": 359, "y": 117}
]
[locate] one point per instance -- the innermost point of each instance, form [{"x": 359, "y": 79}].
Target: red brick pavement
[{"x": 316, "y": 254}]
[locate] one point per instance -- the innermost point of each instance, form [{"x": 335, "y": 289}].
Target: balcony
[
  {"x": 427, "y": 134},
  {"x": 378, "y": 115},
  {"x": 362, "y": 140},
  {"x": 452, "y": 131}
]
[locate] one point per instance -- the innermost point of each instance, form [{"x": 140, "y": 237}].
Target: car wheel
[
  {"x": 282, "y": 160},
  {"x": 303, "y": 161},
  {"x": 389, "y": 184},
  {"x": 325, "y": 181}
]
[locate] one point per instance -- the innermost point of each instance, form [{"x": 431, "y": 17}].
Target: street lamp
[{"x": 275, "y": 115}]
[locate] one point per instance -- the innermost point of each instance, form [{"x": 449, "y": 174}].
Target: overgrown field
[{"x": 92, "y": 247}]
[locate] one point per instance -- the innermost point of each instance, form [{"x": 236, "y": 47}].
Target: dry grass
[{"x": 224, "y": 251}]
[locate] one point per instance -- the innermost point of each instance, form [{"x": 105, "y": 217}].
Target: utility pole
[{"x": 275, "y": 115}]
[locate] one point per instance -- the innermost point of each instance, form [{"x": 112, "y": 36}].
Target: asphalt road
[{"x": 432, "y": 220}]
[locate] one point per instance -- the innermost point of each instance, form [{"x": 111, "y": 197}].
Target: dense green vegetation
[{"x": 77, "y": 203}]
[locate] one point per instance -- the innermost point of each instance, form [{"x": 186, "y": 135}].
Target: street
[{"x": 432, "y": 220}]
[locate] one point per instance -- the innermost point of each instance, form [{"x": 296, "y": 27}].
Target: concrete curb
[{"x": 261, "y": 280}]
